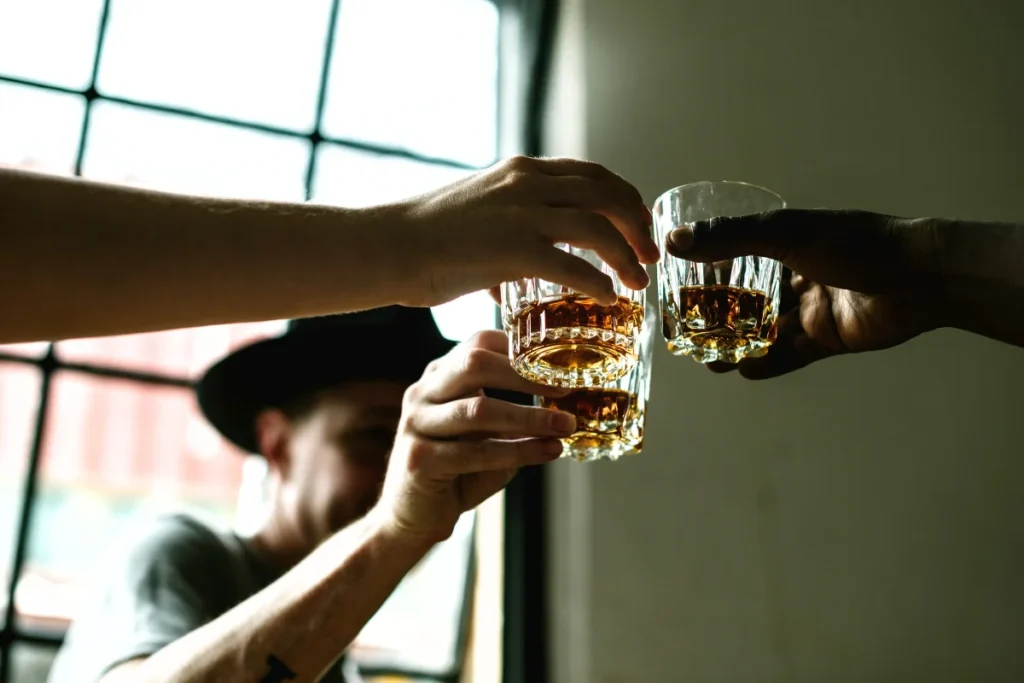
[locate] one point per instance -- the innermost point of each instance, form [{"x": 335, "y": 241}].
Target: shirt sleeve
[{"x": 170, "y": 582}]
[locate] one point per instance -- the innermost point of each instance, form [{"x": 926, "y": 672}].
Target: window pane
[
  {"x": 116, "y": 454},
  {"x": 31, "y": 663},
  {"x": 53, "y": 41},
  {"x": 418, "y": 628},
  {"x": 19, "y": 403},
  {"x": 417, "y": 74},
  {"x": 39, "y": 129},
  {"x": 181, "y": 154},
  {"x": 258, "y": 61},
  {"x": 181, "y": 353},
  {"x": 353, "y": 178}
]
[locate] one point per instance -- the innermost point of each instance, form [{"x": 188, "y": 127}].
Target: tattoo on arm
[{"x": 279, "y": 671}]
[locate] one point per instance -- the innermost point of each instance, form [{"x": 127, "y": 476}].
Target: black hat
[{"x": 314, "y": 354}]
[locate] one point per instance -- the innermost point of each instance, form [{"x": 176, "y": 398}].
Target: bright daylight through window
[{"x": 350, "y": 103}]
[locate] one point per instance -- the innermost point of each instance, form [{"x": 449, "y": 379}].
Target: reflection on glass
[
  {"x": 182, "y": 353},
  {"x": 39, "y": 129},
  {"x": 256, "y": 61},
  {"x": 116, "y": 453},
  {"x": 180, "y": 154},
  {"x": 417, "y": 74},
  {"x": 53, "y": 41}
]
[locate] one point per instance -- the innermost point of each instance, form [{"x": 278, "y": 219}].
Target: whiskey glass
[
  {"x": 561, "y": 337},
  {"x": 610, "y": 418},
  {"x": 722, "y": 310}
]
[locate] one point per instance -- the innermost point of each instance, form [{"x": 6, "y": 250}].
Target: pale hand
[
  {"x": 503, "y": 224},
  {"x": 455, "y": 447}
]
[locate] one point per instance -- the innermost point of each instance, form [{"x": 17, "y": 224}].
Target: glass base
[
  {"x": 710, "y": 347},
  {"x": 589, "y": 446},
  {"x": 574, "y": 365}
]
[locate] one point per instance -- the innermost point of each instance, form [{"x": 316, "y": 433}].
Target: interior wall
[{"x": 862, "y": 520}]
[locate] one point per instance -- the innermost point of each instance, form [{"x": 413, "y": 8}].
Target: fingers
[
  {"x": 482, "y": 415},
  {"x": 481, "y": 363},
  {"x": 595, "y": 188},
  {"x": 479, "y": 486},
  {"x": 495, "y": 293},
  {"x": 772, "y": 234},
  {"x": 555, "y": 265},
  {"x": 720, "y": 367},
  {"x": 590, "y": 230},
  {"x": 496, "y": 456}
]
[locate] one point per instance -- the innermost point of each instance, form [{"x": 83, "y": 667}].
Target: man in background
[{"x": 368, "y": 469}]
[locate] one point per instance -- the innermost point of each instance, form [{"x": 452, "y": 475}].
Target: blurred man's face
[{"x": 331, "y": 458}]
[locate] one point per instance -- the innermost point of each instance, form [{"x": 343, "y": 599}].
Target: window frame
[{"x": 50, "y": 362}]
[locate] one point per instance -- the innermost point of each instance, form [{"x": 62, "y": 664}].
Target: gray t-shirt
[{"x": 176, "y": 578}]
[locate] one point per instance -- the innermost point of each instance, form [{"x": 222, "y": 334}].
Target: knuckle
[
  {"x": 477, "y": 340},
  {"x": 477, "y": 409},
  {"x": 471, "y": 454},
  {"x": 411, "y": 395},
  {"x": 521, "y": 162},
  {"x": 536, "y": 420},
  {"x": 475, "y": 361},
  {"x": 419, "y": 455}
]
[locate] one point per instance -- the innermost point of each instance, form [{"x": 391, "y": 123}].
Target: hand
[
  {"x": 862, "y": 281},
  {"x": 503, "y": 224},
  {"x": 455, "y": 447}
]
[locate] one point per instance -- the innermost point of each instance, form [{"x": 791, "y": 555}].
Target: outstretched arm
[
  {"x": 982, "y": 269},
  {"x": 82, "y": 258}
]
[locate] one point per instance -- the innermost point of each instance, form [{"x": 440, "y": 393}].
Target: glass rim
[{"x": 678, "y": 188}]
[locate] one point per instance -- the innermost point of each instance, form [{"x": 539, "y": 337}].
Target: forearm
[
  {"x": 87, "y": 259},
  {"x": 304, "y": 621},
  {"x": 982, "y": 277}
]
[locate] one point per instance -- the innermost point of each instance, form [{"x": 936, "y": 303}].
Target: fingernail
[
  {"x": 681, "y": 238},
  {"x": 563, "y": 423},
  {"x": 552, "y": 447}
]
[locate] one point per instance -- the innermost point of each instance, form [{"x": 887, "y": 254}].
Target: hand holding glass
[
  {"x": 724, "y": 310},
  {"x": 562, "y": 338},
  {"x": 610, "y": 418}
]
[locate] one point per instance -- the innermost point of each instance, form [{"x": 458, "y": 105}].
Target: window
[{"x": 350, "y": 103}]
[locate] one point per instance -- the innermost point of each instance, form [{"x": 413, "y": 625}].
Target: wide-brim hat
[{"x": 314, "y": 354}]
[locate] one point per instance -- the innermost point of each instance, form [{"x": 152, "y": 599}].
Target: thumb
[{"x": 772, "y": 234}]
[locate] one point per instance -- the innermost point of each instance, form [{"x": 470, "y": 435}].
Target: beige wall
[{"x": 860, "y": 521}]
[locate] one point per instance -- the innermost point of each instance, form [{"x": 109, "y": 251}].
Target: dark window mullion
[
  {"x": 49, "y": 364},
  {"x": 25, "y": 516},
  {"x": 316, "y": 137},
  {"x": 108, "y": 371},
  {"x": 90, "y": 92}
]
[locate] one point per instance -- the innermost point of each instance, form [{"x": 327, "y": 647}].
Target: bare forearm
[
  {"x": 88, "y": 259},
  {"x": 302, "y": 622},
  {"x": 982, "y": 267}
]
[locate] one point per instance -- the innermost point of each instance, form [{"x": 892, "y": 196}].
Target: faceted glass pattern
[
  {"x": 611, "y": 417},
  {"x": 722, "y": 310},
  {"x": 560, "y": 337}
]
